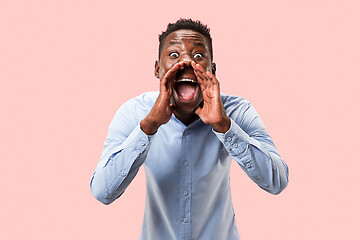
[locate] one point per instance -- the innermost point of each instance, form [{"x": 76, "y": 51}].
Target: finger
[
  {"x": 201, "y": 73},
  {"x": 207, "y": 76},
  {"x": 201, "y": 80},
  {"x": 193, "y": 65},
  {"x": 172, "y": 71},
  {"x": 196, "y": 66},
  {"x": 212, "y": 78},
  {"x": 169, "y": 76},
  {"x": 200, "y": 68}
]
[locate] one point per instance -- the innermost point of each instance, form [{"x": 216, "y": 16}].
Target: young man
[{"x": 185, "y": 136}]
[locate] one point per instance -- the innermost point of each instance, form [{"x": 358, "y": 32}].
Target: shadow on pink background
[{"x": 66, "y": 67}]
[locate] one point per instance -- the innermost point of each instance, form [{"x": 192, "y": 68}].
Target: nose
[{"x": 186, "y": 58}]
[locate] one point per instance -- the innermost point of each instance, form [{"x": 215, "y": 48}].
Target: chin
[{"x": 186, "y": 110}]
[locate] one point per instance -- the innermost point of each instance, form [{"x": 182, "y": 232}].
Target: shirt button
[
  {"x": 185, "y": 220},
  {"x": 186, "y": 163},
  {"x": 142, "y": 144},
  {"x": 235, "y": 145},
  {"x": 229, "y": 139},
  {"x": 186, "y": 132},
  {"x": 123, "y": 174},
  {"x": 138, "y": 151},
  {"x": 248, "y": 165},
  {"x": 185, "y": 193}
]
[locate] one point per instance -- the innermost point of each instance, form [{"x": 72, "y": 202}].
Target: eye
[
  {"x": 174, "y": 55},
  {"x": 198, "y": 55}
]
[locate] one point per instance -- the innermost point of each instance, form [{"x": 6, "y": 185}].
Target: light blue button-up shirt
[{"x": 187, "y": 168}]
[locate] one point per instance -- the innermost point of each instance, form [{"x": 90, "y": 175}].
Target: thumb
[{"x": 198, "y": 111}]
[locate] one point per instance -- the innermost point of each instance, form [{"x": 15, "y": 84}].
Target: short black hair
[{"x": 182, "y": 23}]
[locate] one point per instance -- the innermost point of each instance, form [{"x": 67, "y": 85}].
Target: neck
[{"x": 186, "y": 119}]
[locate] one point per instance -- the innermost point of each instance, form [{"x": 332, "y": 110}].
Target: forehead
[{"x": 185, "y": 36}]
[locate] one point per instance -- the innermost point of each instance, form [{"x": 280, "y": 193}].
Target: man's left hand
[{"x": 212, "y": 111}]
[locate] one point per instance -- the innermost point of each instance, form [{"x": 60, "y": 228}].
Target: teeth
[{"x": 186, "y": 80}]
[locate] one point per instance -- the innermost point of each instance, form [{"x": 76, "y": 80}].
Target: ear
[
  {"x": 213, "y": 68},
  {"x": 157, "y": 68}
]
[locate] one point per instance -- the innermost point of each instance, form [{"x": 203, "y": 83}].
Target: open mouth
[{"x": 186, "y": 88}]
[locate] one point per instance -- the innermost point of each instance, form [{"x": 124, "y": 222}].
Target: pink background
[{"x": 66, "y": 66}]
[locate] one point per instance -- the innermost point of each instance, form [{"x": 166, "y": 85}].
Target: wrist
[
  {"x": 148, "y": 126},
  {"x": 223, "y": 126}
]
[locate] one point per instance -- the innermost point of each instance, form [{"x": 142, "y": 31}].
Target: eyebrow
[
  {"x": 174, "y": 43},
  {"x": 199, "y": 44},
  {"x": 196, "y": 43}
]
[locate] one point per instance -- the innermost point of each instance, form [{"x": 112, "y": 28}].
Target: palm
[
  {"x": 162, "y": 110},
  {"x": 211, "y": 106},
  {"x": 212, "y": 111}
]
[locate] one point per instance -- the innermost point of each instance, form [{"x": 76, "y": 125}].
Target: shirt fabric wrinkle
[{"x": 187, "y": 168}]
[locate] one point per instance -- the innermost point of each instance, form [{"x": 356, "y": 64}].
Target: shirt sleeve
[
  {"x": 125, "y": 150},
  {"x": 252, "y": 148}
]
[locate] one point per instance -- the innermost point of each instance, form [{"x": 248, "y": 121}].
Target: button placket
[{"x": 185, "y": 184}]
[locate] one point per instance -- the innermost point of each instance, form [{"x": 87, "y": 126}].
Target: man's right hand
[{"x": 163, "y": 108}]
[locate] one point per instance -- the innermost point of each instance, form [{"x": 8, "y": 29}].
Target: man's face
[{"x": 184, "y": 46}]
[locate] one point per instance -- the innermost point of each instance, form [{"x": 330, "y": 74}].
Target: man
[{"x": 185, "y": 136}]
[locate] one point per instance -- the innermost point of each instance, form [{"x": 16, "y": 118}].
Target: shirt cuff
[
  {"x": 235, "y": 139},
  {"x": 136, "y": 143}
]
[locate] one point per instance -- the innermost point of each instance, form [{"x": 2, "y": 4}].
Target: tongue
[{"x": 186, "y": 91}]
